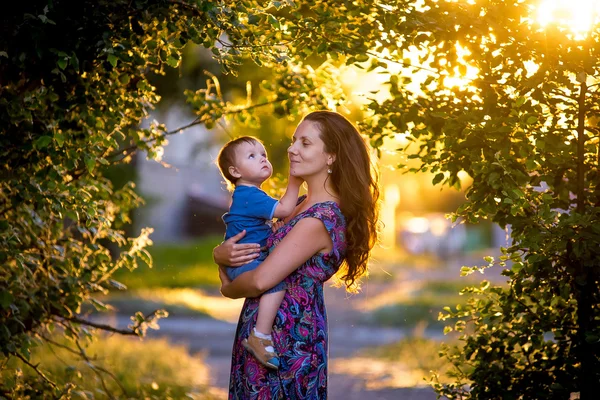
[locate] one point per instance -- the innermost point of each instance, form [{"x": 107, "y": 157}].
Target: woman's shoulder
[
  {"x": 328, "y": 212},
  {"x": 330, "y": 215}
]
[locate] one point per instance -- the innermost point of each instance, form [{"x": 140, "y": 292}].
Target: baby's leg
[
  {"x": 259, "y": 342},
  {"x": 267, "y": 311}
]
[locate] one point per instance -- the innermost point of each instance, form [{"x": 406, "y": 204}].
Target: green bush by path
[
  {"x": 188, "y": 264},
  {"x": 140, "y": 367}
]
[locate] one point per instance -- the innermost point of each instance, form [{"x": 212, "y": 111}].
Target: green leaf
[
  {"x": 42, "y": 141},
  {"x": 146, "y": 257},
  {"x": 112, "y": 59},
  {"x": 173, "y": 62},
  {"x": 253, "y": 19},
  {"x": 124, "y": 79},
  {"x": 592, "y": 338},
  {"x": 90, "y": 163},
  {"x": 6, "y": 299},
  {"x": 530, "y": 164},
  {"x": 59, "y": 138},
  {"x": 142, "y": 85},
  {"x": 273, "y": 21},
  {"x": 100, "y": 306},
  {"x": 73, "y": 215},
  {"x": 62, "y": 63},
  {"x": 518, "y": 193},
  {"x": 438, "y": 178},
  {"x": 117, "y": 285}
]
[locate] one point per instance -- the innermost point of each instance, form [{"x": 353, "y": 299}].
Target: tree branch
[
  {"x": 35, "y": 368},
  {"x": 62, "y": 346},
  {"x": 108, "y": 328},
  {"x": 132, "y": 148},
  {"x": 403, "y": 63}
]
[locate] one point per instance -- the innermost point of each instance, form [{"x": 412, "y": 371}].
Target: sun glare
[{"x": 578, "y": 15}]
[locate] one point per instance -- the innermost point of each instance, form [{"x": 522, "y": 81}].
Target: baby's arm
[{"x": 287, "y": 203}]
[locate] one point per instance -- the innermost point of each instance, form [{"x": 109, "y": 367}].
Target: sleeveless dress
[{"x": 300, "y": 328}]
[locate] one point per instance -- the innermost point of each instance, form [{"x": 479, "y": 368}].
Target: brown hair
[
  {"x": 355, "y": 178},
  {"x": 226, "y": 157}
]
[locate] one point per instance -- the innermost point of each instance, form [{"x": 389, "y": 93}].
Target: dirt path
[
  {"x": 350, "y": 378},
  {"x": 351, "y": 375}
]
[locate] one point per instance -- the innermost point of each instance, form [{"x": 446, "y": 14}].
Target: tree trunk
[{"x": 583, "y": 286}]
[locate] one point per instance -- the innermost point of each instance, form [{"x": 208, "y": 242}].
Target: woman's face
[{"x": 307, "y": 152}]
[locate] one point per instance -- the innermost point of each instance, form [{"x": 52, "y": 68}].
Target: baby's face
[{"x": 252, "y": 164}]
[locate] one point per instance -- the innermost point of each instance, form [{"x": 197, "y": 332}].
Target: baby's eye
[{"x": 251, "y": 156}]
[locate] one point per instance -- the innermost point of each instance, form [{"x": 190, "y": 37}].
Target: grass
[
  {"x": 187, "y": 264},
  {"x": 422, "y": 307},
  {"x": 140, "y": 367},
  {"x": 148, "y": 300},
  {"x": 179, "y": 302},
  {"x": 418, "y": 357}
]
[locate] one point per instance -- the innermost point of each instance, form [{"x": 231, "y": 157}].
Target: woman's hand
[{"x": 232, "y": 254}]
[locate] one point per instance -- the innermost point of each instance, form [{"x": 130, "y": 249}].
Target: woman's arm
[
  {"x": 230, "y": 253},
  {"x": 307, "y": 238}
]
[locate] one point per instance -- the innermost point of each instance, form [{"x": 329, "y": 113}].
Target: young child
[{"x": 243, "y": 163}]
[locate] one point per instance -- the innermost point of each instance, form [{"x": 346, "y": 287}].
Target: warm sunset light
[{"x": 578, "y": 15}]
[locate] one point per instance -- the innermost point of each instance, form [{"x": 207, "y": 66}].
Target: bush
[{"x": 176, "y": 265}]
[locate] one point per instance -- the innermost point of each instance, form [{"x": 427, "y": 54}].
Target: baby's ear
[{"x": 234, "y": 172}]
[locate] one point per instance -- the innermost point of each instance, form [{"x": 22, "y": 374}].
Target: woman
[{"x": 333, "y": 226}]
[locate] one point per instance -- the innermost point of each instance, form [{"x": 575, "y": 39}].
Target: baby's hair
[{"x": 226, "y": 157}]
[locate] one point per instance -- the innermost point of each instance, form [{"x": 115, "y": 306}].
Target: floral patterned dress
[{"x": 300, "y": 328}]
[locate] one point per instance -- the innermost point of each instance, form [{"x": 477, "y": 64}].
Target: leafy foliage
[
  {"x": 74, "y": 88},
  {"x": 523, "y": 126}
]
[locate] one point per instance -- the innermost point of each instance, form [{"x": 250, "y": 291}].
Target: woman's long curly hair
[{"x": 355, "y": 178}]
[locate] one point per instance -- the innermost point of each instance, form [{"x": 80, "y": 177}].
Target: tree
[
  {"x": 523, "y": 125},
  {"x": 74, "y": 88}
]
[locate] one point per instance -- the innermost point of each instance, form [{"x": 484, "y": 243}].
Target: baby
[{"x": 243, "y": 163}]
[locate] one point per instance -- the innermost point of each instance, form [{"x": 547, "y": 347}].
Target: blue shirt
[{"x": 251, "y": 209}]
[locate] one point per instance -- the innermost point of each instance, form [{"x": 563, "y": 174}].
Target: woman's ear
[
  {"x": 330, "y": 159},
  {"x": 234, "y": 172}
]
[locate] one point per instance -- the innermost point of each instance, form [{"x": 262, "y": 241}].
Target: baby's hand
[{"x": 277, "y": 225}]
